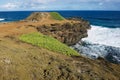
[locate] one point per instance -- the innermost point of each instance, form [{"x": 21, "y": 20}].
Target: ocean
[{"x": 103, "y": 38}]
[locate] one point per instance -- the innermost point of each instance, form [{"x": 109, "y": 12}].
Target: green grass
[
  {"x": 48, "y": 42},
  {"x": 56, "y": 16}
]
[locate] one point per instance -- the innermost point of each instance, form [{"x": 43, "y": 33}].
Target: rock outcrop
[
  {"x": 68, "y": 33},
  {"x": 22, "y": 61}
]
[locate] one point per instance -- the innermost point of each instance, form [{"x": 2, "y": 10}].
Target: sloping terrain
[
  {"x": 25, "y": 61},
  {"x": 68, "y": 33},
  {"x": 28, "y": 25},
  {"x": 21, "y": 61},
  {"x": 42, "y": 16},
  {"x": 49, "y": 43}
]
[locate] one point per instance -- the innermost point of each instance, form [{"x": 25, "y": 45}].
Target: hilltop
[
  {"x": 37, "y": 16},
  {"x": 28, "y": 51}
]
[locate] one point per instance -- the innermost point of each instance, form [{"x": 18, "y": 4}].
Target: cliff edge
[
  {"x": 68, "y": 31},
  {"x": 20, "y": 60}
]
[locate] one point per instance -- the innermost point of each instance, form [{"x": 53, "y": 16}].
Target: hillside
[
  {"x": 37, "y": 16},
  {"x": 23, "y": 61},
  {"x": 23, "y": 58}
]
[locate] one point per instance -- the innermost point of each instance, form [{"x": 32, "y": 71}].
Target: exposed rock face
[
  {"x": 68, "y": 33},
  {"x": 22, "y": 61}
]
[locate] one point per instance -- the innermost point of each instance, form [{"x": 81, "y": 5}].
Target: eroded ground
[{"x": 22, "y": 61}]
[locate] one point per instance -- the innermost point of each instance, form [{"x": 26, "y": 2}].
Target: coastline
[
  {"x": 92, "y": 40},
  {"x": 23, "y": 56},
  {"x": 101, "y": 42}
]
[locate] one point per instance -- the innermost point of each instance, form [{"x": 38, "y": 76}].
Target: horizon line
[{"x": 56, "y": 10}]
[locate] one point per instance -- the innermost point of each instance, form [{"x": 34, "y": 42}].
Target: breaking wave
[
  {"x": 103, "y": 35},
  {"x": 2, "y": 19},
  {"x": 101, "y": 42}
]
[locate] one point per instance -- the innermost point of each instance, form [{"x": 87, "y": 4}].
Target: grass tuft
[
  {"x": 48, "y": 42},
  {"x": 56, "y": 16}
]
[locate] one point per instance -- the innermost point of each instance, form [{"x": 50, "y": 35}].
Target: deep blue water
[{"x": 100, "y": 18}]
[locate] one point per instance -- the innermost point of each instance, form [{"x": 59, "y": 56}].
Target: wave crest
[
  {"x": 104, "y": 36},
  {"x": 101, "y": 42},
  {"x": 2, "y": 19}
]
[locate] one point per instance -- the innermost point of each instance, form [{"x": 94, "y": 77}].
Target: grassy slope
[
  {"x": 21, "y": 61},
  {"x": 56, "y": 16},
  {"x": 48, "y": 43}
]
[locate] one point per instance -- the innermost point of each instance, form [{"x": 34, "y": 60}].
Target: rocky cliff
[
  {"x": 68, "y": 33},
  {"x": 23, "y": 61}
]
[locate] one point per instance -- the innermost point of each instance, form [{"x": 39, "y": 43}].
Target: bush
[
  {"x": 56, "y": 16},
  {"x": 48, "y": 42}
]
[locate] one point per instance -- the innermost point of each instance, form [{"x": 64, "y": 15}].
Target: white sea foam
[
  {"x": 91, "y": 50},
  {"x": 101, "y": 42},
  {"x": 104, "y": 36},
  {"x": 1, "y": 19}
]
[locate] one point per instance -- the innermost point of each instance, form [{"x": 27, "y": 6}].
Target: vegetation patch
[
  {"x": 56, "y": 16},
  {"x": 48, "y": 42}
]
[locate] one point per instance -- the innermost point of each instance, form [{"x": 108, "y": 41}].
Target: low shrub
[{"x": 48, "y": 42}]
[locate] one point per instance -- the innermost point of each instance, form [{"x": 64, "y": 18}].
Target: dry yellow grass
[{"x": 22, "y": 61}]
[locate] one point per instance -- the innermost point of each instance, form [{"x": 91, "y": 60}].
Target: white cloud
[
  {"x": 42, "y": 1},
  {"x": 55, "y": 4},
  {"x": 36, "y": 4},
  {"x": 100, "y": 3},
  {"x": 27, "y": 4},
  {"x": 9, "y": 6},
  {"x": 95, "y": 0}
]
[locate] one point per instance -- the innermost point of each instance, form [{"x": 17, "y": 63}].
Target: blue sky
[{"x": 21, "y": 5}]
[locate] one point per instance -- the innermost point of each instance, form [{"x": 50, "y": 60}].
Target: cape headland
[{"x": 37, "y": 48}]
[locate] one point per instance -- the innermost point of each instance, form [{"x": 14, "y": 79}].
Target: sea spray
[
  {"x": 104, "y": 36},
  {"x": 2, "y": 19},
  {"x": 110, "y": 53},
  {"x": 101, "y": 42}
]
